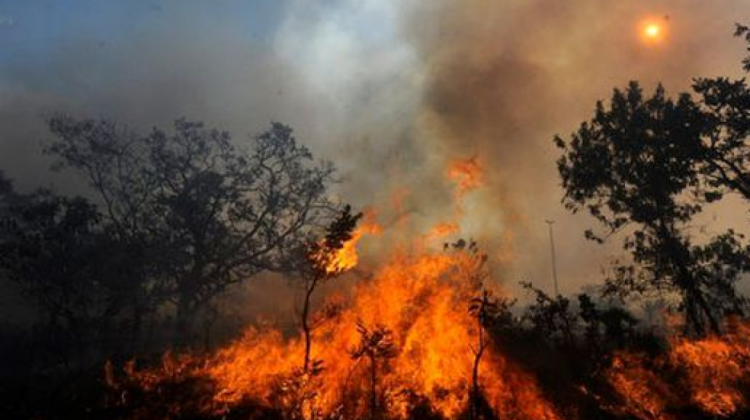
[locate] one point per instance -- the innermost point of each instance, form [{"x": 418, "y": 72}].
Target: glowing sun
[{"x": 652, "y": 30}]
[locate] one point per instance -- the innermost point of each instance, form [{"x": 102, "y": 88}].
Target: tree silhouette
[
  {"x": 209, "y": 214},
  {"x": 742, "y": 31},
  {"x": 725, "y": 158},
  {"x": 550, "y": 316},
  {"x": 61, "y": 257},
  {"x": 636, "y": 168},
  {"x": 321, "y": 267},
  {"x": 617, "y": 322},
  {"x": 484, "y": 309},
  {"x": 375, "y": 344}
]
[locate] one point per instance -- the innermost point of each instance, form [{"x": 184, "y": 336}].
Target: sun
[{"x": 652, "y": 30}]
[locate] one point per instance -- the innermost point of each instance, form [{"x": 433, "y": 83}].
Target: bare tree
[
  {"x": 322, "y": 265},
  {"x": 209, "y": 214},
  {"x": 376, "y": 344},
  {"x": 483, "y": 308}
]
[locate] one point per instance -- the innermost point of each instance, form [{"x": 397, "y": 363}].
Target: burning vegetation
[
  {"x": 410, "y": 340},
  {"x": 406, "y": 342},
  {"x": 129, "y": 284},
  {"x": 423, "y": 337}
]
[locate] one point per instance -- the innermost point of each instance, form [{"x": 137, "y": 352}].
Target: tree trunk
[
  {"x": 697, "y": 311},
  {"x": 474, "y": 404},
  {"x": 373, "y": 389},
  {"x": 306, "y": 328}
]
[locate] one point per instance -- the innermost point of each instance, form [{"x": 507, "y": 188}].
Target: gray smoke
[{"x": 391, "y": 91}]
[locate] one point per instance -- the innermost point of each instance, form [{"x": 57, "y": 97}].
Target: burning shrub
[{"x": 709, "y": 376}]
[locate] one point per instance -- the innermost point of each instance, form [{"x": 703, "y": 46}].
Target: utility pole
[{"x": 552, "y": 250}]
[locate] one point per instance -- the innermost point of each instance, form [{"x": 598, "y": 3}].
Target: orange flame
[
  {"x": 417, "y": 299},
  {"x": 442, "y": 230},
  {"x": 423, "y": 301},
  {"x": 347, "y": 257},
  {"x": 708, "y": 373},
  {"x": 467, "y": 173}
]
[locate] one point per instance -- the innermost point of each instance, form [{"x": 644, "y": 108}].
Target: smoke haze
[{"x": 391, "y": 91}]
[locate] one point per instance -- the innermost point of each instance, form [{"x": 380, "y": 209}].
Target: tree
[
  {"x": 375, "y": 344},
  {"x": 617, "y": 322},
  {"x": 742, "y": 31},
  {"x": 725, "y": 158},
  {"x": 209, "y": 214},
  {"x": 6, "y": 185},
  {"x": 8, "y": 200},
  {"x": 484, "y": 309},
  {"x": 61, "y": 258},
  {"x": 550, "y": 316},
  {"x": 323, "y": 265},
  {"x": 636, "y": 168}
]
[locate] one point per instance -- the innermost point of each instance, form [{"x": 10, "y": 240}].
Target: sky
[{"x": 391, "y": 91}]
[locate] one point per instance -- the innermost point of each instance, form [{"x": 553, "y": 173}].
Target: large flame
[
  {"x": 422, "y": 300},
  {"x": 712, "y": 374},
  {"x": 420, "y": 303},
  {"x": 403, "y": 341},
  {"x": 347, "y": 257}
]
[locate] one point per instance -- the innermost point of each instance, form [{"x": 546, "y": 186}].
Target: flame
[
  {"x": 347, "y": 257},
  {"x": 418, "y": 299},
  {"x": 442, "y": 230},
  {"x": 466, "y": 173},
  {"x": 422, "y": 300},
  {"x": 709, "y": 373}
]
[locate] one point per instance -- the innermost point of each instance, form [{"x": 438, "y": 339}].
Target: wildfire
[
  {"x": 709, "y": 373},
  {"x": 347, "y": 257},
  {"x": 419, "y": 305},
  {"x": 442, "y": 230},
  {"x": 404, "y": 341},
  {"x": 417, "y": 299},
  {"x": 467, "y": 173}
]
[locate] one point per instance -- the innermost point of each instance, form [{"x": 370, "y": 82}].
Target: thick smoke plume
[{"x": 392, "y": 91}]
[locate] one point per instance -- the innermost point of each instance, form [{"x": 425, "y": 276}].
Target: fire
[
  {"x": 347, "y": 257},
  {"x": 467, "y": 173},
  {"x": 404, "y": 340},
  {"x": 415, "y": 308},
  {"x": 417, "y": 298},
  {"x": 709, "y": 373},
  {"x": 442, "y": 230}
]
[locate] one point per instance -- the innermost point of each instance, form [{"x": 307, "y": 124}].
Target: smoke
[
  {"x": 502, "y": 78},
  {"x": 429, "y": 82},
  {"x": 392, "y": 91}
]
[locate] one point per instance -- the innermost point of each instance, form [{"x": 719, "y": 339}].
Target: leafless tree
[
  {"x": 375, "y": 344},
  {"x": 483, "y": 308},
  {"x": 209, "y": 214}
]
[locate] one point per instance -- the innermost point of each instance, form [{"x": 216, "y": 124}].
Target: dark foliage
[
  {"x": 638, "y": 168},
  {"x": 209, "y": 214}
]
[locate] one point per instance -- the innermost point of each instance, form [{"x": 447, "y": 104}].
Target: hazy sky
[{"x": 390, "y": 90}]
